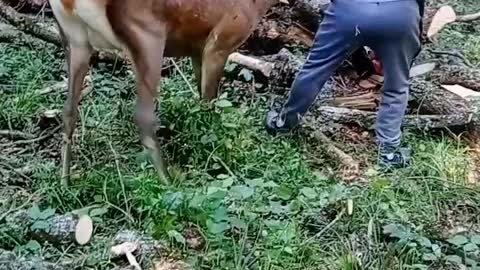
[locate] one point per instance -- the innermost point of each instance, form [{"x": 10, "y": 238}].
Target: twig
[
  {"x": 349, "y": 166},
  {"x": 15, "y": 134},
  {"x": 455, "y": 54},
  {"x": 184, "y": 77},
  {"x": 13, "y": 169},
  {"x": 329, "y": 225},
  {"x": 120, "y": 177},
  {"x": 41, "y": 138},
  {"x": 17, "y": 208}
]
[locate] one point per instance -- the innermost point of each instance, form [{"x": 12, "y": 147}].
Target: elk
[{"x": 208, "y": 31}]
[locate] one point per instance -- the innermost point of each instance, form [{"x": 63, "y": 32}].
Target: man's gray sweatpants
[{"x": 391, "y": 28}]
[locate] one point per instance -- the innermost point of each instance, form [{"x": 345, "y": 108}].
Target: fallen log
[
  {"x": 457, "y": 74},
  {"x": 309, "y": 13},
  {"x": 31, "y": 6},
  {"x": 54, "y": 228},
  {"x": 46, "y": 31},
  {"x": 366, "y": 120}
]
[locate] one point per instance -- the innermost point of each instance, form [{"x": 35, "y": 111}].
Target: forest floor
[{"x": 240, "y": 198}]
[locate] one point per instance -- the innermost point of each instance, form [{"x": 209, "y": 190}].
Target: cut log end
[{"x": 84, "y": 230}]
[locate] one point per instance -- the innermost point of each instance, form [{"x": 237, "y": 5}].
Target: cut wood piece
[
  {"x": 375, "y": 78},
  {"x": 83, "y": 230},
  {"x": 252, "y": 63},
  {"x": 52, "y": 113},
  {"x": 366, "y": 84},
  {"x": 461, "y": 91},
  {"x": 367, "y": 101},
  {"x": 444, "y": 16},
  {"x": 422, "y": 69}
]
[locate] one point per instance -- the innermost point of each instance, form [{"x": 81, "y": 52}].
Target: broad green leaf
[
  {"x": 283, "y": 192},
  {"x": 197, "y": 200},
  {"x": 177, "y": 236},
  {"x": 437, "y": 250},
  {"x": 470, "y": 247},
  {"x": 278, "y": 208},
  {"x": 242, "y": 192},
  {"x": 247, "y": 74},
  {"x": 173, "y": 199},
  {"x": 424, "y": 242},
  {"x": 429, "y": 257},
  {"x": 258, "y": 182},
  {"x": 309, "y": 192},
  {"x": 227, "y": 182},
  {"x": 223, "y": 103},
  {"x": 47, "y": 213},
  {"x": 33, "y": 245},
  {"x": 230, "y": 66},
  {"x": 454, "y": 259},
  {"x": 217, "y": 228},
  {"x": 396, "y": 231},
  {"x": 270, "y": 184},
  {"x": 34, "y": 212},
  {"x": 220, "y": 214},
  {"x": 40, "y": 225},
  {"x": 472, "y": 264},
  {"x": 475, "y": 239},
  {"x": 458, "y": 240},
  {"x": 238, "y": 223}
]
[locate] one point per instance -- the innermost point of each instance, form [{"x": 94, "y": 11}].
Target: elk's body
[{"x": 206, "y": 30}]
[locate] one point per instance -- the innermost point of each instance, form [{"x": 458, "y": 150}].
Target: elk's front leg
[
  {"x": 78, "y": 61},
  {"x": 147, "y": 54},
  {"x": 214, "y": 59},
  {"x": 221, "y": 42},
  {"x": 197, "y": 70}
]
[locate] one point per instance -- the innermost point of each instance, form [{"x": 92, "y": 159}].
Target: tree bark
[{"x": 366, "y": 120}]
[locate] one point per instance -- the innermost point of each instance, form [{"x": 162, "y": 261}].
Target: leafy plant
[{"x": 40, "y": 219}]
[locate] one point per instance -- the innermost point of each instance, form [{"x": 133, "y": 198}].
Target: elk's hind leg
[
  {"x": 78, "y": 59},
  {"x": 147, "y": 56},
  {"x": 222, "y": 41}
]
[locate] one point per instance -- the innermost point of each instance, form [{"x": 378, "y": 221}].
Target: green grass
[{"x": 257, "y": 202}]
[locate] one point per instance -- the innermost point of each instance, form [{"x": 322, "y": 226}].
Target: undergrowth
[{"x": 252, "y": 200}]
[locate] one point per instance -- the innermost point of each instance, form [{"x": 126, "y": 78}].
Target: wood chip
[
  {"x": 422, "y": 69},
  {"x": 444, "y": 16},
  {"x": 51, "y": 113},
  {"x": 366, "y": 84},
  {"x": 378, "y": 79},
  {"x": 461, "y": 91}
]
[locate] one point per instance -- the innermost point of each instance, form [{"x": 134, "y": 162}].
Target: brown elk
[{"x": 147, "y": 30}]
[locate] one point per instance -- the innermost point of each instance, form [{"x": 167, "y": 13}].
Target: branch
[
  {"x": 349, "y": 166},
  {"x": 468, "y": 17}
]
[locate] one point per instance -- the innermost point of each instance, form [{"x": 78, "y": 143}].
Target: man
[{"x": 392, "y": 28}]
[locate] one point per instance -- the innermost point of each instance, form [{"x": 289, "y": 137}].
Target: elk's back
[{"x": 186, "y": 23}]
